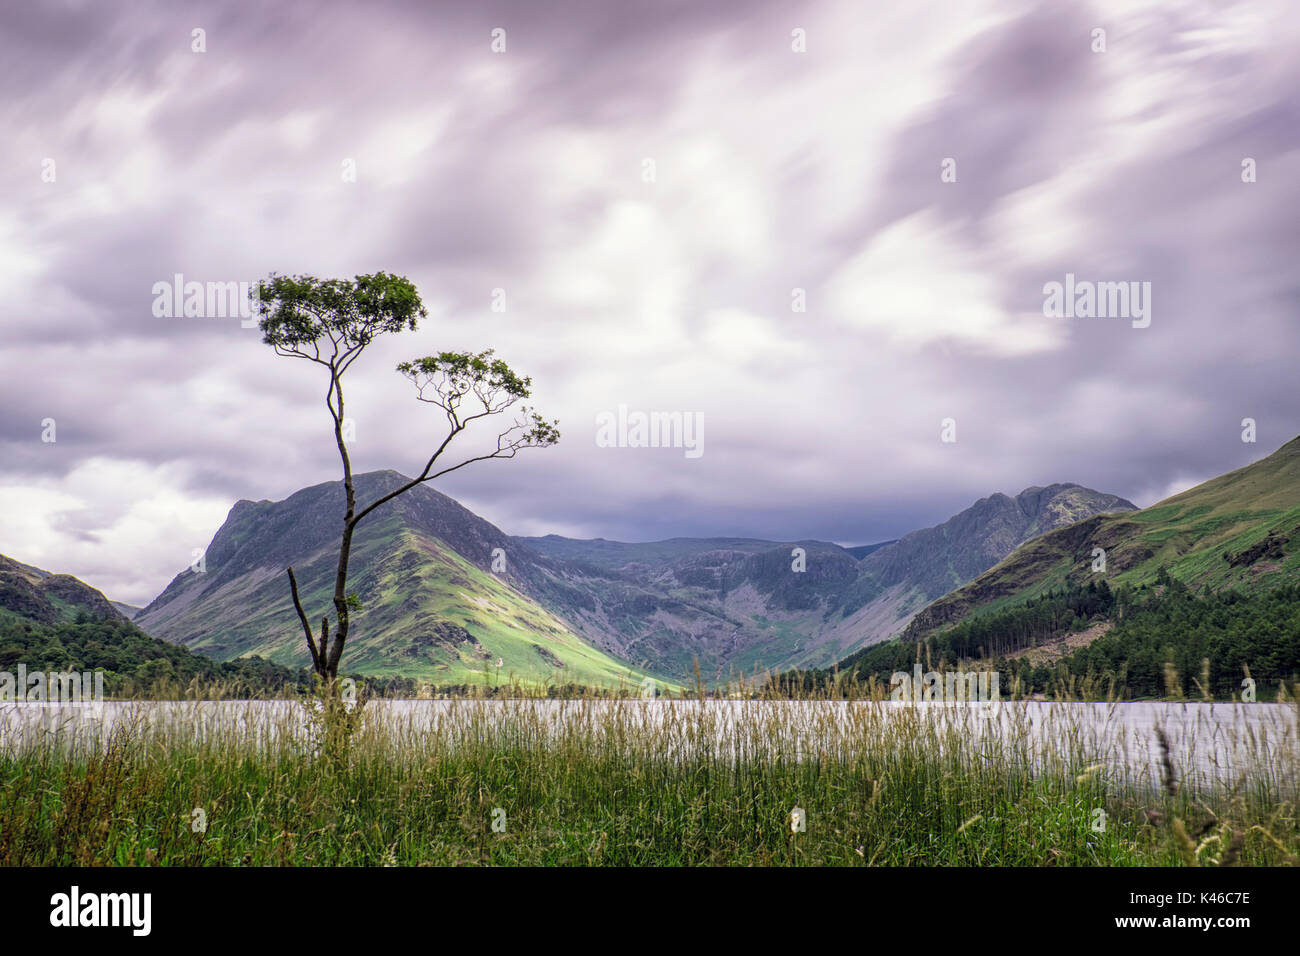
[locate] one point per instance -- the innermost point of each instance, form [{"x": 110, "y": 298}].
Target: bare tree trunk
[
  {"x": 325, "y": 657},
  {"x": 340, "y": 595},
  {"x": 345, "y": 546}
]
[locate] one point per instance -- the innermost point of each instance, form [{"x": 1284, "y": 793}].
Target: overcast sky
[{"x": 129, "y": 157}]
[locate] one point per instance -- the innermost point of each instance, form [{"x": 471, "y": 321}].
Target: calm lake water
[{"x": 1209, "y": 743}]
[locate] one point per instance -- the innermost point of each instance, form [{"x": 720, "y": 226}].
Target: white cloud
[
  {"x": 121, "y": 526},
  {"x": 917, "y": 282}
]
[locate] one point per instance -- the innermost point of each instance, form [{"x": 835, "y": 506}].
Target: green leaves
[
  {"x": 328, "y": 319},
  {"x": 466, "y": 371},
  {"x": 540, "y": 433},
  {"x": 447, "y": 378}
]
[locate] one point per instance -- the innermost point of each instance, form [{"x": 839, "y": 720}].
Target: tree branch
[{"x": 302, "y": 616}]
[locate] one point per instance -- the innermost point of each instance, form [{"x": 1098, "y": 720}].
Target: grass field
[{"x": 642, "y": 785}]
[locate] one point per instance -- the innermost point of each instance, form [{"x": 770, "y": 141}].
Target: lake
[{"x": 1209, "y": 744}]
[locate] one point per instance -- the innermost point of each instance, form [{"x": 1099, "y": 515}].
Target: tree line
[{"x": 1164, "y": 640}]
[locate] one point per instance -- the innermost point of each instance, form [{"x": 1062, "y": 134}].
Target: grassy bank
[{"x": 631, "y": 783}]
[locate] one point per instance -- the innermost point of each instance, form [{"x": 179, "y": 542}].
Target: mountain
[
  {"x": 896, "y": 581},
  {"x": 732, "y": 604},
  {"x": 564, "y": 609},
  {"x": 432, "y": 607},
  {"x": 862, "y": 550},
  {"x": 1240, "y": 530},
  {"x": 616, "y": 556},
  {"x": 735, "y": 604},
  {"x": 49, "y": 598}
]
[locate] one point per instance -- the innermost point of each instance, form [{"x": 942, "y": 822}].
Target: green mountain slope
[
  {"x": 1240, "y": 530},
  {"x": 432, "y": 608}
]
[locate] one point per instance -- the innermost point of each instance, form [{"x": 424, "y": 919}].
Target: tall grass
[{"x": 630, "y": 782}]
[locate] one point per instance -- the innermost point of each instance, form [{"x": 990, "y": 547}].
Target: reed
[{"x": 530, "y": 780}]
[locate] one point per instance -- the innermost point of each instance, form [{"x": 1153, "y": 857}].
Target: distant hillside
[
  {"x": 894, "y": 582},
  {"x": 622, "y": 555},
  {"x": 49, "y": 598},
  {"x": 733, "y": 604},
  {"x": 1240, "y": 530},
  {"x": 736, "y": 605},
  {"x": 862, "y": 550},
  {"x": 128, "y": 611}
]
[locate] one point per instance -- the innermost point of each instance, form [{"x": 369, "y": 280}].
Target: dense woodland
[
  {"x": 1238, "y": 635},
  {"x": 1159, "y": 645}
]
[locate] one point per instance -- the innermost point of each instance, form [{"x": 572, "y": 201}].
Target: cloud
[
  {"x": 918, "y": 283},
  {"x": 524, "y": 171},
  {"x": 94, "y": 519}
]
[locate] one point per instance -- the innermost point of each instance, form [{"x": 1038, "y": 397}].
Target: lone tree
[{"x": 330, "y": 322}]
